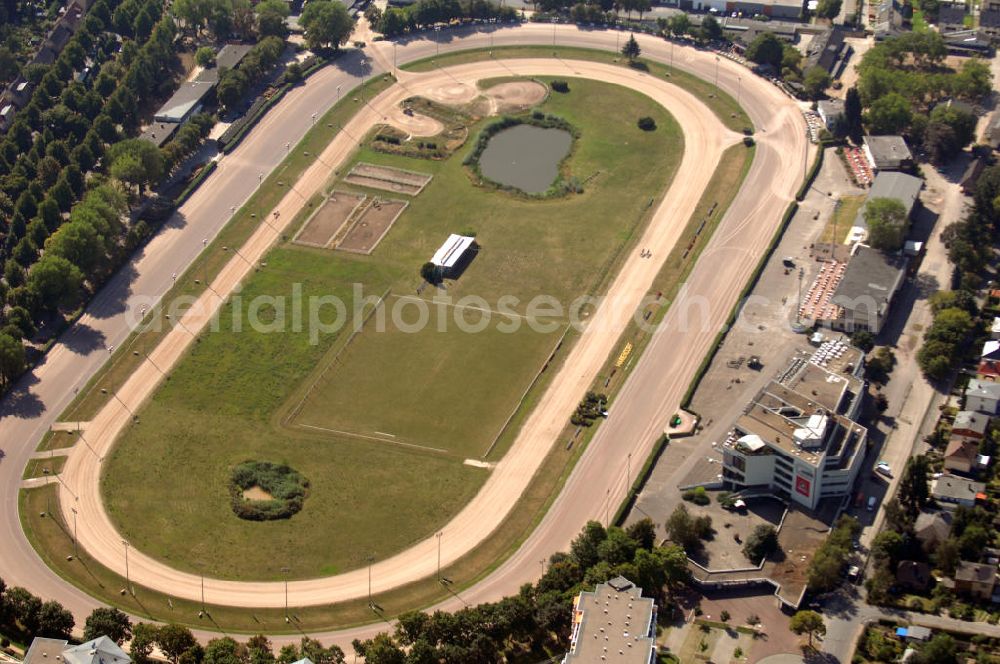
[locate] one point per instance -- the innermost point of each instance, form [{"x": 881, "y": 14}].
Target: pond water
[{"x": 526, "y": 157}]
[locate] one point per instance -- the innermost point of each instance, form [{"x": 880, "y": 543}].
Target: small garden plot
[
  {"x": 327, "y": 221},
  {"x": 371, "y": 225},
  {"x": 388, "y": 178}
]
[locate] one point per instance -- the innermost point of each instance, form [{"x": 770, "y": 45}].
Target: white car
[{"x": 883, "y": 468}]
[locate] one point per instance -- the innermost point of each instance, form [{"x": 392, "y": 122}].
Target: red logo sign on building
[{"x": 802, "y": 485}]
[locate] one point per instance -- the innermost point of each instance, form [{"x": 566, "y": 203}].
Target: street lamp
[
  {"x": 244, "y": 258},
  {"x": 75, "y": 550},
  {"x": 717, "y": 74},
  {"x": 146, "y": 355},
  {"x": 181, "y": 323},
  {"x": 128, "y": 581},
  {"x": 285, "y": 570},
  {"x": 439, "y": 556},
  {"x": 115, "y": 395},
  {"x": 370, "y": 558},
  {"x": 739, "y": 90}
]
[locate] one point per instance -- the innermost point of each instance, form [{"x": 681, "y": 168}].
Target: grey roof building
[
  {"x": 887, "y": 153},
  {"x": 828, "y": 50},
  {"x": 983, "y": 396},
  {"x": 185, "y": 102},
  {"x": 954, "y": 490},
  {"x": 101, "y": 650},
  {"x": 830, "y": 110},
  {"x": 865, "y": 293},
  {"x": 159, "y": 133},
  {"x": 970, "y": 424},
  {"x": 897, "y": 186},
  {"x": 932, "y": 528},
  {"x": 229, "y": 57},
  {"x": 613, "y": 623},
  {"x": 951, "y": 17}
]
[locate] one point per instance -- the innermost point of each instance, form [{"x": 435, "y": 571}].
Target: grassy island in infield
[{"x": 383, "y": 413}]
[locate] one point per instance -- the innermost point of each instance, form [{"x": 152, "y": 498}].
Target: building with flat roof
[
  {"x": 828, "y": 51},
  {"x": 797, "y": 439},
  {"x": 865, "y": 293},
  {"x": 983, "y": 396},
  {"x": 159, "y": 133},
  {"x": 830, "y": 112},
  {"x": 228, "y": 57},
  {"x": 615, "y": 623},
  {"x": 454, "y": 255},
  {"x": 951, "y": 17},
  {"x": 887, "y": 153},
  {"x": 184, "y": 103}
]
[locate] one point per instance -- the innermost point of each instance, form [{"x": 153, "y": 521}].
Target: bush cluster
[
  {"x": 287, "y": 487},
  {"x": 560, "y": 86},
  {"x": 647, "y": 123},
  {"x": 592, "y": 407}
]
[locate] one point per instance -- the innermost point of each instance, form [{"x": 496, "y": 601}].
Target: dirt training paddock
[
  {"x": 371, "y": 225},
  {"x": 323, "y": 226},
  {"x": 388, "y": 179}
]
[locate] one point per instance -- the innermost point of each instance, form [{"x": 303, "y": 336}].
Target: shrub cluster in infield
[{"x": 286, "y": 487}]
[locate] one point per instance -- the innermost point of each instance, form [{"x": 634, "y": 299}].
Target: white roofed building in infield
[{"x": 454, "y": 255}]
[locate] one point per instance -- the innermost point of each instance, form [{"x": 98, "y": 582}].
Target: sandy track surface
[
  {"x": 705, "y": 139},
  {"x": 515, "y": 96},
  {"x": 414, "y": 125}
]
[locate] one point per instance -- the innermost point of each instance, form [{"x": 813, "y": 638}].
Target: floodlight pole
[
  {"x": 128, "y": 580},
  {"x": 439, "y": 558},
  {"x": 798, "y": 306},
  {"x": 716, "y": 74},
  {"x": 285, "y": 570},
  {"x": 75, "y": 550}
]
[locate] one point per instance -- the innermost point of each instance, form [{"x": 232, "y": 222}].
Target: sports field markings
[
  {"x": 375, "y": 438},
  {"x": 487, "y": 310}
]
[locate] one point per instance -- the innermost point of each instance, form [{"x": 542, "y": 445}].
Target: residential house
[
  {"x": 932, "y": 528},
  {"x": 989, "y": 359},
  {"x": 983, "y": 396},
  {"x": 961, "y": 455},
  {"x": 975, "y": 580},
  {"x": 913, "y": 576},
  {"x": 970, "y": 425},
  {"x": 952, "y": 490}
]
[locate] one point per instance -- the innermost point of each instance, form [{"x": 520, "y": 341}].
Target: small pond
[{"x": 526, "y": 157}]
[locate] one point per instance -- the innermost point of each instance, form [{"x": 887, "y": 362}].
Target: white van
[{"x": 871, "y": 504}]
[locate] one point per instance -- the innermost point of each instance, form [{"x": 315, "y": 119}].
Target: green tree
[
  {"x": 12, "y": 360},
  {"x": 54, "y": 621},
  {"x": 711, "y": 29},
  {"x": 815, "y": 82},
  {"x": 585, "y": 549},
  {"x": 631, "y": 49},
  {"x": 679, "y": 24},
  {"x": 887, "y": 223},
  {"x": 175, "y": 640},
  {"x": 205, "y": 56},
  {"x": 109, "y": 622},
  {"x": 888, "y": 545},
  {"x": 762, "y": 542},
  {"x": 890, "y": 114},
  {"x": 225, "y": 650},
  {"x": 232, "y": 86},
  {"x": 9, "y": 67},
  {"x": 55, "y": 282},
  {"x": 828, "y": 8},
  {"x": 271, "y": 15},
  {"x": 808, "y": 622},
  {"x": 136, "y": 162},
  {"x": 260, "y": 650},
  {"x": 22, "y": 607},
  {"x": 144, "y": 636},
  {"x": 767, "y": 49},
  {"x": 687, "y": 531},
  {"x": 914, "y": 493},
  {"x": 327, "y": 24},
  {"x": 643, "y": 533},
  {"x": 939, "y": 650},
  {"x": 947, "y": 556}
]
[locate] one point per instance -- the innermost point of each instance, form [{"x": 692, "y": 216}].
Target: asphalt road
[{"x": 644, "y": 405}]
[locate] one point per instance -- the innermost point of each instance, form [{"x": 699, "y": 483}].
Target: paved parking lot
[{"x": 732, "y": 527}]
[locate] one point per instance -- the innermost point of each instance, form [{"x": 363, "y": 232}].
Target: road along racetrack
[{"x": 643, "y": 406}]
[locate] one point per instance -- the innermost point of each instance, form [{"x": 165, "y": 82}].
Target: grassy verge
[
  {"x": 839, "y": 225},
  {"x": 37, "y": 467},
  {"x": 722, "y": 104}
]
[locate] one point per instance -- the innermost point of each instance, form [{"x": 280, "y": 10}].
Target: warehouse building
[
  {"x": 897, "y": 186},
  {"x": 454, "y": 255},
  {"x": 887, "y": 153}
]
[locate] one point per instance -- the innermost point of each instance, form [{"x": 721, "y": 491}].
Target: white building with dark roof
[{"x": 454, "y": 255}]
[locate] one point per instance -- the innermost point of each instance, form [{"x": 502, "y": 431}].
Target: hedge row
[
  {"x": 707, "y": 360},
  {"x": 206, "y": 170},
  {"x": 811, "y": 176},
  {"x": 640, "y": 480}
]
